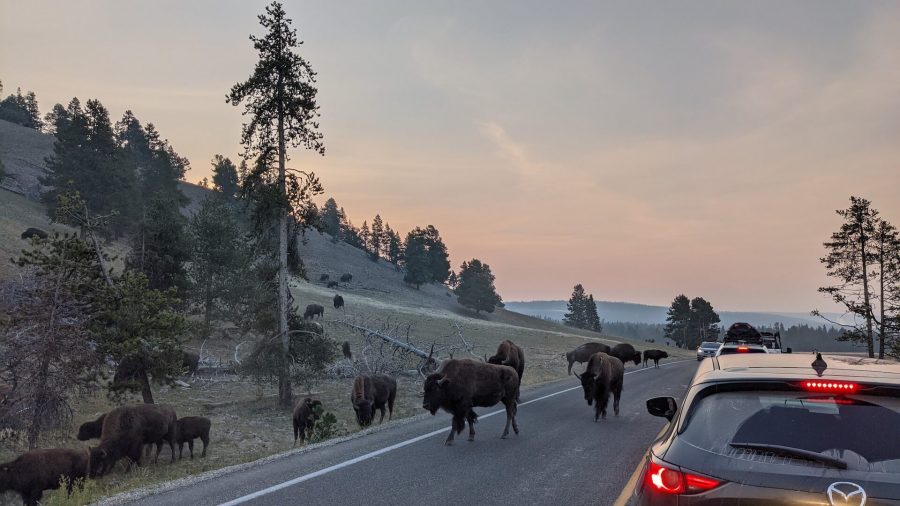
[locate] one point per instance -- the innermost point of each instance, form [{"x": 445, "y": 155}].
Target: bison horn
[{"x": 443, "y": 382}]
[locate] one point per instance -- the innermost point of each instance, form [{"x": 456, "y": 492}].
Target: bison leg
[
  {"x": 617, "y": 394},
  {"x": 180, "y": 449},
  {"x": 391, "y": 399},
  {"x": 383, "y": 411},
  {"x": 471, "y": 418},
  {"x": 205, "y": 439},
  {"x": 32, "y": 497},
  {"x": 191, "y": 447},
  {"x": 459, "y": 423},
  {"x": 510, "y": 418}
]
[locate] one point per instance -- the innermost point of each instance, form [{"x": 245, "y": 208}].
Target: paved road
[{"x": 561, "y": 456}]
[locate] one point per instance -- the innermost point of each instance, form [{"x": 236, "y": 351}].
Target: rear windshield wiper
[{"x": 787, "y": 451}]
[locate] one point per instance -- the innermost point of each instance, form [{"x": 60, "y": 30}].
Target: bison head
[
  {"x": 588, "y": 384},
  {"x": 435, "y": 387},
  {"x": 88, "y": 430},
  {"x": 637, "y": 358},
  {"x": 496, "y": 359},
  {"x": 315, "y": 408},
  {"x": 99, "y": 458},
  {"x": 364, "y": 411}
]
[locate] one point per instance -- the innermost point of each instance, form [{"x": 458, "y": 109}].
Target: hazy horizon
[{"x": 643, "y": 151}]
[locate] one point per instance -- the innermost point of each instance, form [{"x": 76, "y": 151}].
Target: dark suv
[{"x": 779, "y": 429}]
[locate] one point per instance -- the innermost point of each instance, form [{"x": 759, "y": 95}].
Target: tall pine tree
[
  {"x": 476, "y": 287},
  {"x": 678, "y": 320}
]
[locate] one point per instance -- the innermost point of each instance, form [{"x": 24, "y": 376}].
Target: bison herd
[{"x": 458, "y": 386}]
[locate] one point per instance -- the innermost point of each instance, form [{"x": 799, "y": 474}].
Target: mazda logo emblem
[{"x": 844, "y": 493}]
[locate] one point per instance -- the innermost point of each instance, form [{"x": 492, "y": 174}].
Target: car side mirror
[
  {"x": 788, "y": 350},
  {"x": 662, "y": 406}
]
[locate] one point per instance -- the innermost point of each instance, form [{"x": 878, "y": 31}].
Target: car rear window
[
  {"x": 730, "y": 351},
  {"x": 853, "y": 428},
  {"x": 709, "y": 346}
]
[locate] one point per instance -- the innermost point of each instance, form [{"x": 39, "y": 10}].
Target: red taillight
[
  {"x": 833, "y": 387},
  {"x": 743, "y": 349},
  {"x": 669, "y": 479}
]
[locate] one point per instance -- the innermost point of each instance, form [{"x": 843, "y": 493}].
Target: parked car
[
  {"x": 778, "y": 429},
  {"x": 707, "y": 349}
]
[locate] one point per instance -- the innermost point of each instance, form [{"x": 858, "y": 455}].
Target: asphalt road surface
[{"x": 560, "y": 457}]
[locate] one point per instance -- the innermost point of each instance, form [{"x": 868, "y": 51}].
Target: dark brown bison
[
  {"x": 190, "y": 361},
  {"x": 338, "y": 302},
  {"x": 332, "y": 284},
  {"x": 91, "y": 430},
  {"x": 655, "y": 356},
  {"x": 345, "y": 350},
  {"x": 314, "y": 310},
  {"x": 126, "y": 429},
  {"x": 38, "y": 470},
  {"x": 603, "y": 375},
  {"x": 305, "y": 415},
  {"x": 626, "y": 353},
  {"x": 345, "y": 278},
  {"x": 34, "y": 232},
  {"x": 583, "y": 353},
  {"x": 510, "y": 354},
  {"x": 324, "y": 277},
  {"x": 190, "y": 428},
  {"x": 463, "y": 384},
  {"x": 371, "y": 392}
]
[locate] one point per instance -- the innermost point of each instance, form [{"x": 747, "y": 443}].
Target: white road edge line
[{"x": 382, "y": 451}]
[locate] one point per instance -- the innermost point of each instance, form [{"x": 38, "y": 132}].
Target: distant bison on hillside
[
  {"x": 190, "y": 361},
  {"x": 38, "y": 470},
  {"x": 338, "y": 302},
  {"x": 583, "y": 353},
  {"x": 332, "y": 284},
  {"x": 314, "y": 310},
  {"x": 324, "y": 277},
  {"x": 34, "y": 232},
  {"x": 346, "y": 278},
  {"x": 655, "y": 356}
]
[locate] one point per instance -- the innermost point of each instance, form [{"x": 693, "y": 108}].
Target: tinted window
[
  {"x": 709, "y": 346},
  {"x": 729, "y": 351},
  {"x": 850, "y": 428}
]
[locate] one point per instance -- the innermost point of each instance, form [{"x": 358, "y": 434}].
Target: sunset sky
[{"x": 644, "y": 149}]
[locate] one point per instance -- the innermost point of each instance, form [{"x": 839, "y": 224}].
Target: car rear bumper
[{"x": 735, "y": 493}]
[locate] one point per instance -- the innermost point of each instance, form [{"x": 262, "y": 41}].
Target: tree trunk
[
  {"x": 34, "y": 430},
  {"x": 146, "y": 392},
  {"x": 882, "y": 323},
  {"x": 208, "y": 309},
  {"x": 870, "y": 344},
  {"x": 284, "y": 382}
]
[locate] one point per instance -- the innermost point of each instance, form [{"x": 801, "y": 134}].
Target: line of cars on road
[{"x": 757, "y": 427}]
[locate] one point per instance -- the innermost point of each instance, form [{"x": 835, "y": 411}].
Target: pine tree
[
  {"x": 365, "y": 238},
  {"x": 394, "y": 248},
  {"x": 331, "y": 219},
  {"x": 225, "y": 177},
  {"x": 887, "y": 264},
  {"x": 21, "y": 110},
  {"x": 849, "y": 259},
  {"x": 416, "y": 261},
  {"x": 703, "y": 324},
  {"x": 476, "y": 287},
  {"x": 160, "y": 249},
  {"x": 576, "y": 314},
  {"x": 438, "y": 258},
  {"x": 593, "y": 318},
  {"x": 678, "y": 320},
  {"x": 280, "y": 99},
  {"x": 376, "y": 239}
]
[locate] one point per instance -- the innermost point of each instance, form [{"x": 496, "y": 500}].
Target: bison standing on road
[
  {"x": 510, "y": 354},
  {"x": 604, "y": 374},
  {"x": 38, "y": 470},
  {"x": 583, "y": 353},
  {"x": 314, "y": 310},
  {"x": 655, "y": 356},
  {"x": 305, "y": 415},
  {"x": 463, "y": 384},
  {"x": 91, "y": 430},
  {"x": 190, "y": 428},
  {"x": 626, "y": 353},
  {"x": 126, "y": 429},
  {"x": 371, "y": 392},
  {"x": 338, "y": 302}
]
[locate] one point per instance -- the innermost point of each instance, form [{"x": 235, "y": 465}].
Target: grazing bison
[
  {"x": 324, "y": 277},
  {"x": 332, "y": 284},
  {"x": 313, "y": 310},
  {"x": 371, "y": 392},
  {"x": 655, "y": 356},
  {"x": 603, "y": 375},
  {"x": 346, "y": 278},
  {"x": 190, "y": 428},
  {"x": 583, "y": 353},
  {"x": 126, "y": 429},
  {"x": 305, "y": 415},
  {"x": 345, "y": 349},
  {"x": 463, "y": 384},
  {"x": 38, "y": 470},
  {"x": 626, "y": 353},
  {"x": 34, "y": 232},
  {"x": 91, "y": 430},
  {"x": 338, "y": 302},
  {"x": 510, "y": 354},
  {"x": 190, "y": 361}
]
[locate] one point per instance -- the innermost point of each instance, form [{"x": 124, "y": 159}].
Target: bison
[
  {"x": 346, "y": 278},
  {"x": 126, "y": 429},
  {"x": 190, "y": 428},
  {"x": 510, "y": 354},
  {"x": 34, "y": 232},
  {"x": 603, "y": 375},
  {"x": 626, "y": 353},
  {"x": 38, "y": 470},
  {"x": 305, "y": 415},
  {"x": 91, "y": 430},
  {"x": 371, "y": 392},
  {"x": 313, "y": 310},
  {"x": 332, "y": 284},
  {"x": 655, "y": 356},
  {"x": 338, "y": 302},
  {"x": 324, "y": 277},
  {"x": 583, "y": 353},
  {"x": 463, "y": 384},
  {"x": 345, "y": 350},
  {"x": 190, "y": 361}
]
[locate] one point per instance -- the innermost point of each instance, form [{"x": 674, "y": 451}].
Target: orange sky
[{"x": 642, "y": 150}]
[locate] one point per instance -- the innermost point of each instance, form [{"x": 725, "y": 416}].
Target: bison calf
[
  {"x": 39, "y": 470},
  {"x": 305, "y": 415},
  {"x": 371, "y": 392},
  {"x": 313, "y": 310},
  {"x": 190, "y": 428},
  {"x": 583, "y": 353},
  {"x": 655, "y": 356},
  {"x": 604, "y": 374},
  {"x": 463, "y": 384},
  {"x": 510, "y": 354}
]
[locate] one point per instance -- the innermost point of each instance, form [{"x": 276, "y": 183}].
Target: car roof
[{"x": 797, "y": 366}]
